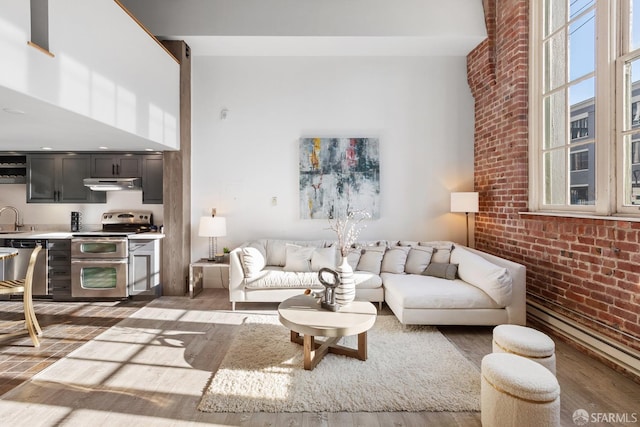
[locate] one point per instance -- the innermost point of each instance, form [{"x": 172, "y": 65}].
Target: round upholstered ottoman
[
  {"x": 525, "y": 342},
  {"x": 516, "y": 391}
]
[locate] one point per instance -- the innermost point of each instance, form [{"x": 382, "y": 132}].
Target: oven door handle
[{"x": 100, "y": 261}]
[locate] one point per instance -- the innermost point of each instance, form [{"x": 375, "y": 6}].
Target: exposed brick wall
[{"x": 586, "y": 269}]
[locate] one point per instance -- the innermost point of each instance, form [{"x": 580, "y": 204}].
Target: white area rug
[{"x": 416, "y": 369}]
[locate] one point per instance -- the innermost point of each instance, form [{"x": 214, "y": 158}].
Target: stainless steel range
[{"x": 100, "y": 258}]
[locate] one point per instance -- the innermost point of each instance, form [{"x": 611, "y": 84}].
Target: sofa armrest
[
  {"x": 236, "y": 276},
  {"x": 517, "y": 310}
]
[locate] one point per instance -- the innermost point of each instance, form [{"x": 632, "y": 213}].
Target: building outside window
[
  {"x": 579, "y": 160},
  {"x": 582, "y": 130}
]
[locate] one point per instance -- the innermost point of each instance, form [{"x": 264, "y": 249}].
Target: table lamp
[
  {"x": 465, "y": 202},
  {"x": 212, "y": 227}
]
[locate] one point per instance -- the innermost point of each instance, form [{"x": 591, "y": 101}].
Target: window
[
  {"x": 582, "y": 130},
  {"x": 579, "y": 128},
  {"x": 580, "y": 160},
  {"x": 579, "y": 195}
]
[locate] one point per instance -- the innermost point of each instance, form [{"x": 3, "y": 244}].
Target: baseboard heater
[{"x": 623, "y": 356}]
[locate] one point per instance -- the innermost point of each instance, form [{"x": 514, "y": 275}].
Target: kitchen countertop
[{"x": 69, "y": 235}]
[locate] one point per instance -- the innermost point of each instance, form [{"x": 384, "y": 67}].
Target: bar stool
[
  {"x": 25, "y": 287},
  {"x": 525, "y": 342},
  {"x": 517, "y": 392}
]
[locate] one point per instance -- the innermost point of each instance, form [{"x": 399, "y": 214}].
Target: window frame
[{"x": 609, "y": 186}]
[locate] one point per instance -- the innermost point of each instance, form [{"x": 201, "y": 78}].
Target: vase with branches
[{"x": 347, "y": 230}]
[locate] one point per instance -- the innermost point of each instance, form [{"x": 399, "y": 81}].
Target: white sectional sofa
[{"x": 433, "y": 283}]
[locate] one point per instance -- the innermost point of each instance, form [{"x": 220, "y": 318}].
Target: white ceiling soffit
[
  {"x": 29, "y": 124},
  {"x": 317, "y": 28}
]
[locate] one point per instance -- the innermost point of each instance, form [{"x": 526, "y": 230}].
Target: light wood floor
[{"x": 154, "y": 371}]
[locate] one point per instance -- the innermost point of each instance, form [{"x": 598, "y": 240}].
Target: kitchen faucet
[{"x": 18, "y": 223}]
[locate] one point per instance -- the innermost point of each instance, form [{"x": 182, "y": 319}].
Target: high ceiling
[{"x": 255, "y": 28}]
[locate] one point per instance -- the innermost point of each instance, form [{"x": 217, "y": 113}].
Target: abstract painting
[{"x": 338, "y": 176}]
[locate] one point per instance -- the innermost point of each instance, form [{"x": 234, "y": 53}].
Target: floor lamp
[
  {"x": 465, "y": 202},
  {"x": 212, "y": 227}
]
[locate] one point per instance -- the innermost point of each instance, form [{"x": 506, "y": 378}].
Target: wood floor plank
[{"x": 155, "y": 369}]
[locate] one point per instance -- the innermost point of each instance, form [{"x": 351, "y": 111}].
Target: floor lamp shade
[
  {"x": 465, "y": 202},
  {"x": 212, "y": 227}
]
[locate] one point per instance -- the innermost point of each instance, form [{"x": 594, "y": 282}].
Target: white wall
[
  {"x": 56, "y": 216},
  {"x": 420, "y": 108}
]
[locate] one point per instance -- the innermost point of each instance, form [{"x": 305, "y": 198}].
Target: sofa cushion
[
  {"x": 353, "y": 257},
  {"x": 441, "y": 250},
  {"x": 324, "y": 258},
  {"x": 298, "y": 258},
  {"x": 424, "y": 292},
  {"x": 394, "y": 259},
  {"x": 492, "y": 279},
  {"x": 252, "y": 261},
  {"x": 371, "y": 259},
  {"x": 277, "y": 278},
  {"x": 442, "y": 270},
  {"x": 418, "y": 259},
  {"x": 276, "y": 252}
]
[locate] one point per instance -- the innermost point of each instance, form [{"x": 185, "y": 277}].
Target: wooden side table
[{"x": 196, "y": 275}]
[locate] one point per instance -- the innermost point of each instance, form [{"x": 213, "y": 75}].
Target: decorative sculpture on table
[{"x": 328, "y": 297}]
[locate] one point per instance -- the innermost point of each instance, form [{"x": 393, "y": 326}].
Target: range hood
[{"x": 113, "y": 184}]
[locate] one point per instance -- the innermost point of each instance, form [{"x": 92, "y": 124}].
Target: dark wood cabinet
[
  {"x": 116, "y": 165},
  {"x": 152, "y": 179},
  {"x": 57, "y": 178}
]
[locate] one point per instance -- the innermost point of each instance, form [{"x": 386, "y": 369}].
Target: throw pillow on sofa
[
  {"x": 371, "y": 259},
  {"x": 252, "y": 261},
  {"x": 418, "y": 259},
  {"x": 494, "y": 280},
  {"x": 441, "y": 250},
  {"x": 394, "y": 259},
  {"x": 442, "y": 270},
  {"x": 323, "y": 258},
  {"x": 298, "y": 258}
]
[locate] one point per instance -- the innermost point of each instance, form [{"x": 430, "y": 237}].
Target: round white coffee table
[{"x": 303, "y": 315}]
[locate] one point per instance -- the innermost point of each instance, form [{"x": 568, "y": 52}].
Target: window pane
[
  {"x": 632, "y": 94},
  {"x": 554, "y": 15},
  {"x": 635, "y": 24},
  {"x": 582, "y": 46},
  {"x": 579, "y": 6},
  {"x": 582, "y": 93},
  {"x": 632, "y": 170},
  {"x": 555, "y": 182},
  {"x": 582, "y": 177},
  {"x": 555, "y": 133},
  {"x": 555, "y": 69}
]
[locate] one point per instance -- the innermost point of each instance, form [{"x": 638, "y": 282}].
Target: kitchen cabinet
[
  {"x": 116, "y": 165},
  {"x": 144, "y": 268},
  {"x": 152, "y": 179},
  {"x": 13, "y": 169},
  {"x": 59, "y": 269},
  {"x": 57, "y": 178}
]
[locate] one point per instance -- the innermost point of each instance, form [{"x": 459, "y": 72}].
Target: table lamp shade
[
  {"x": 212, "y": 226},
  {"x": 464, "y": 202}
]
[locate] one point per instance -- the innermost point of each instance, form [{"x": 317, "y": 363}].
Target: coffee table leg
[
  {"x": 362, "y": 346},
  {"x": 309, "y": 352},
  {"x": 313, "y": 351}
]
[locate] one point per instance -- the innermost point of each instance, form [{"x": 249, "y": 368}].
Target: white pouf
[
  {"x": 516, "y": 391},
  {"x": 525, "y": 342}
]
